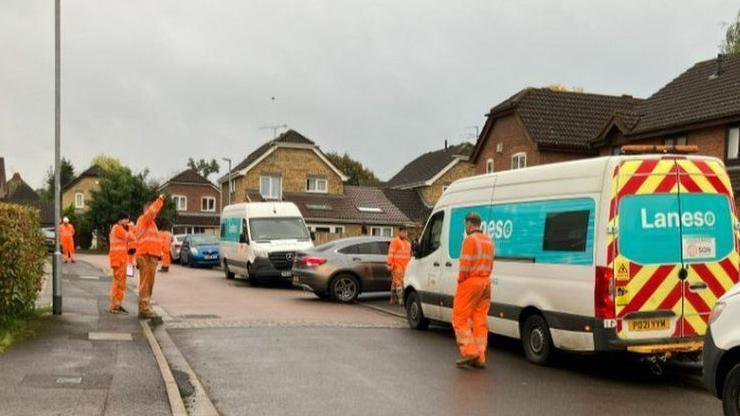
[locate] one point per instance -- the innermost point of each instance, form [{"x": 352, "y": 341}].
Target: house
[
  {"x": 197, "y": 203},
  {"x": 78, "y": 193},
  {"x": 293, "y": 168},
  {"x": 431, "y": 173},
  {"x": 3, "y": 185},
  {"x": 17, "y": 191},
  {"x": 540, "y": 125}
]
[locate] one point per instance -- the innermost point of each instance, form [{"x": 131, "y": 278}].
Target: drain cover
[{"x": 109, "y": 336}]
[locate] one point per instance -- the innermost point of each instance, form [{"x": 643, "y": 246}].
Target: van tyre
[
  {"x": 536, "y": 340},
  {"x": 414, "y": 313},
  {"x": 229, "y": 274},
  {"x": 731, "y": 392},
  {"x": 345, "y": 288}
]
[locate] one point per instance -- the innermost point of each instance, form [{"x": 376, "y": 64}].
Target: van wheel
[
  {"x": 345, "y": 288},
  {"x": 229, "y": 274},
  {"x": 251, "y": 277},
  {"x": 731, "y": 392},
  {"x": 536, "y": 340},
  {"x": 414, "y": 313}
]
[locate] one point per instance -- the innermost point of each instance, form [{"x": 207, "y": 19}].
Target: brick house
[
  {"x": 78, "y": 193},
  {"x": 197, "y": 203},
  {"x": 293, "y": 168}
]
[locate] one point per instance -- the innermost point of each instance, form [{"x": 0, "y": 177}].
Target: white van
[
  {"x": 611, "y": 253},
  {"x": 259, "y": 240}
]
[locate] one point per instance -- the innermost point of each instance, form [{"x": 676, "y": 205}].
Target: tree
[
  {"x": 106, "y": 162},
  {"x": 67, "y": 174},
  {"x": 204, "y": 167},
  {"x": 731, "y": 44},
  {"x": 357, "y": 172}
]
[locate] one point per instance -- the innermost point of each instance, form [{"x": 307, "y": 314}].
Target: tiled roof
[
  {"x": 428, "y": 165},
  {"x": 699, "y": 94},
  {"x": 93, "y": 171},
  {"x": 209, "y": 220},
  {"x": 290, "y": 136},
  {"x": 19, "y": 191},
  {"x": 410, "y": 203},
  {"x": 344, "y": 208},
  {"x": 190, "y": 176}
]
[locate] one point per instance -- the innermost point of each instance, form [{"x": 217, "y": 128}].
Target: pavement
[{"x": 63, "y": 371}]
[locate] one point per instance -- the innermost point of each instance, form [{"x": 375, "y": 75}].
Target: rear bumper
[
  {"x": 606, "y": 339},
  {"x": 309, "y": 280},
  {"x": 712, "y": 357}
]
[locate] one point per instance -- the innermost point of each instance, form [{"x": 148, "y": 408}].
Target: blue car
[{"x": 199, "y": 250}]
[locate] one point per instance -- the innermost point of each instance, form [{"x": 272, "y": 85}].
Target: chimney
[
  {"x": 719, "y": 69},
  {"x": 445, "y": 144}
]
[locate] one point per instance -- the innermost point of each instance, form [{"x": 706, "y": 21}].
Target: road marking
[
  {"x": 69, "y": 380},
  {"x": 109, "y": 336},
  {"x": 219, "y": 323},
  {"x": 83, "y": 277}
]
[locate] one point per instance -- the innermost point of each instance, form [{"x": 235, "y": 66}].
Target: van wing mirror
[
  {"x": 415, "y": 247},
  {"x": 313, "y": 235}
]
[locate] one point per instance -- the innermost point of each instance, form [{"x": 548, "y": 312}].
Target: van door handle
[
  {"x": 697, "y": 286},
  {"x": 435, "y": 264},
  {"x": 356, "y": 259}
]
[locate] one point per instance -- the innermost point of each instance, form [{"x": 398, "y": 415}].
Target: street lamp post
[
  {"x": 226, "y": 159},
  {"x": 57, "y": 261}
]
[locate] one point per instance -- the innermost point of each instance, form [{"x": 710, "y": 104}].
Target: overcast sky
[{"x": 153, "y": 82}]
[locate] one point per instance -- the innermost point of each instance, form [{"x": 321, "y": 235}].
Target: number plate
[
  {"x": 210, "y": 257},
  {"x": 641, "y": 325},
  {"x": 286, "y": 273},
  {"x": 296, "y": 280}
]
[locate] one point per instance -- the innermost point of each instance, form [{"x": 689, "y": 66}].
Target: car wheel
[
  {"x": 414, "y": 313},
  {"x": 345, "y": 288},
  {"x": 536, "y": 340},
  {"x": 229, "y": 274},
  {"x": 191, "y": 262},
  {"x": 731, "y": 392}
]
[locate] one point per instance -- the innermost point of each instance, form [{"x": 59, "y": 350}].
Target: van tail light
[
  {"x": 312, "y": 261},
  {"x": 604, "y": 293}
]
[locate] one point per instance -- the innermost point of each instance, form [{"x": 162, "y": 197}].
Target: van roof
[{"x": 264, "y": 209}]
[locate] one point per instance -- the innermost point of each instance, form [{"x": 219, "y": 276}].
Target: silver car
[{"x": 343, "y": 269}]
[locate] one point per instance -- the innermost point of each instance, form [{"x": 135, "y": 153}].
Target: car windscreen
[
  {"x": 204, "y": 240},
  {"x": 266, "y": 229}
]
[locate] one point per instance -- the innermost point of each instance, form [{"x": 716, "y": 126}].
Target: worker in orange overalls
[
  {"x": 473, "y": 295},
  {"x": 399, "y": 255},
  {"x": 166, "y": 242},
  {"x": 67, "y": 239},
  {"x": 148, "y": 254},
  {"x": 121, "y": 236}
]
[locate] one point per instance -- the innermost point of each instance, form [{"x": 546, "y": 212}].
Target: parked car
[
  {"x": 722, "y": 351},
  {"x": 343, "y": 269},
  {"x": 49, "y": 242},
  {"x": 199, "y": 250},
  {"x": 175, "y": 246}
]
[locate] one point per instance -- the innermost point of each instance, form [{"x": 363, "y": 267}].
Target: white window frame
[
  {"x": 79, "y": 200},
  {"x": 275, "y": 186},
  {"x": 321, "y": 185},
  {"x": 382, "y": 231},
  {"x": 180, "y": 206},
  {"x": 212, "y": 201},
  {"x": 733, "y": 149},
  {"x": 489, "y": 166},
  {"x": 516, "y": 160}
]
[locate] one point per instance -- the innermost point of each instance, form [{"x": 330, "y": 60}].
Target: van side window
[
  {"x": 566, "y": 231},
  {"x": 431, "y": 239},
  {"x": 244, "y": 232}
]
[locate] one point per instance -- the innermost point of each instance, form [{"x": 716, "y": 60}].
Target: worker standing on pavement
[
  {"x": 67, "y": 240},
  {"x": 166, "y": 242},
  {"x": 473, "y": 295},
  {"x": 148, "y": 254},
  {"x": 121, "y": 236},
  {"x": 399, "y": 255}
]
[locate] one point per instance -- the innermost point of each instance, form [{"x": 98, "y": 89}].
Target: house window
[
  {"x": 733, "y": 142},
  {"x": 181, "y": 202},
  {"x": 489, "y": 166},
  {"x": 676, "y": 141},
  {"x": 208, "y": 204},
  {"x": 316, "y": 184},
  {"x": 519, "y": 161},
  {"x": 79, "y": 200},
  {"x": 381, "y": 231},
  {"x": 271, "y": 186}
]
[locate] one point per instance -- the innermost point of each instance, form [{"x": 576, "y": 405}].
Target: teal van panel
[
  {"x": 654, "y": 229},
  {"x": 518, "y": 229},
  {"x": 232, "y": 230}
]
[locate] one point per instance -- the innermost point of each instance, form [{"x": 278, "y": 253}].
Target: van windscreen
[{"x": 266, "y": 229}]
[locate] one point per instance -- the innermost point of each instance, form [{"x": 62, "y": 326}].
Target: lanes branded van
[
  {"x": 259, "y": 240},
  {"x": 612, "y": 253}
]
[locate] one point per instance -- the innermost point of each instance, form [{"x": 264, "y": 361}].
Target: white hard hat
[{"x": 65, "y": 219}]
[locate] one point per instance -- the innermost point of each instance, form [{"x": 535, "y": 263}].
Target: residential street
[{"x": 271, "y": 351}]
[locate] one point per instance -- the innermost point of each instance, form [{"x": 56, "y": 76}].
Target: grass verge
[{"x": 15, "y": 330}]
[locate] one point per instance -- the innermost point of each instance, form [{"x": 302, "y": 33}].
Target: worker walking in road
[
  {"x": 166, "y": 242},
  {"x": 67, "y": 240},
  {"x": 399, "y": 255},
  {"x": 120, "y": 238},
  {"x": 473, "y": 295},
  {"x": 148, "y": 254}
]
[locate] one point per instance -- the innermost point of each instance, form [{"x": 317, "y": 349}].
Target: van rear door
[{"x": 672, "y": 237}]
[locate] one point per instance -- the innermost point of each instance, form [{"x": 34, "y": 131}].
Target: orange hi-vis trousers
[
  {"x": 469, "y": 316},
  {"x": 147, "y": 269},
  {"x": 118, "y": 288},
  {"x": 68, "y": 248},
  {"x": 166, "y": 260}
]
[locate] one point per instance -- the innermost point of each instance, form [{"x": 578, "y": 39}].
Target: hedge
[{"x": 22, "y": 257}]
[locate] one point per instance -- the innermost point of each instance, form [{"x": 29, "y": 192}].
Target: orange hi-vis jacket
[
  {"x": 476, "y": 259},
  {"x": 66, "y": 231},
  {"x": 148, "y": 240},
  {"x": 399, "y": 254},
  {"x": 166, "y": 240},
  {"x": 120, "y": 239}
]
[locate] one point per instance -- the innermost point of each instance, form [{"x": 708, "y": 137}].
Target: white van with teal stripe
[{"x": 611, "y": 253}]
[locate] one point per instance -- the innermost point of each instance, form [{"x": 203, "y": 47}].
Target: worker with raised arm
[
  {"x": 67, "y": 240},
  {"x": 120, "y": 238},
  {"x": 399, "y": 255},
  {"x": 148, "y": 254},
  {"x": 473, "y": 295}
]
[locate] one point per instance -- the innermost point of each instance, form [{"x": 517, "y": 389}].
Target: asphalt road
[{"x": 272, "y": 351}]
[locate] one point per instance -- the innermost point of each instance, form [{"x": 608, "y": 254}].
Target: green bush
[{"x": 22, "y": 256}]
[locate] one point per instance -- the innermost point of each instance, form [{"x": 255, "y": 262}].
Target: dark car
[
  {"x": 49, "y": 242},
  {"x": 343, "y": 269},
  {"x": 199, "y": 250}
]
